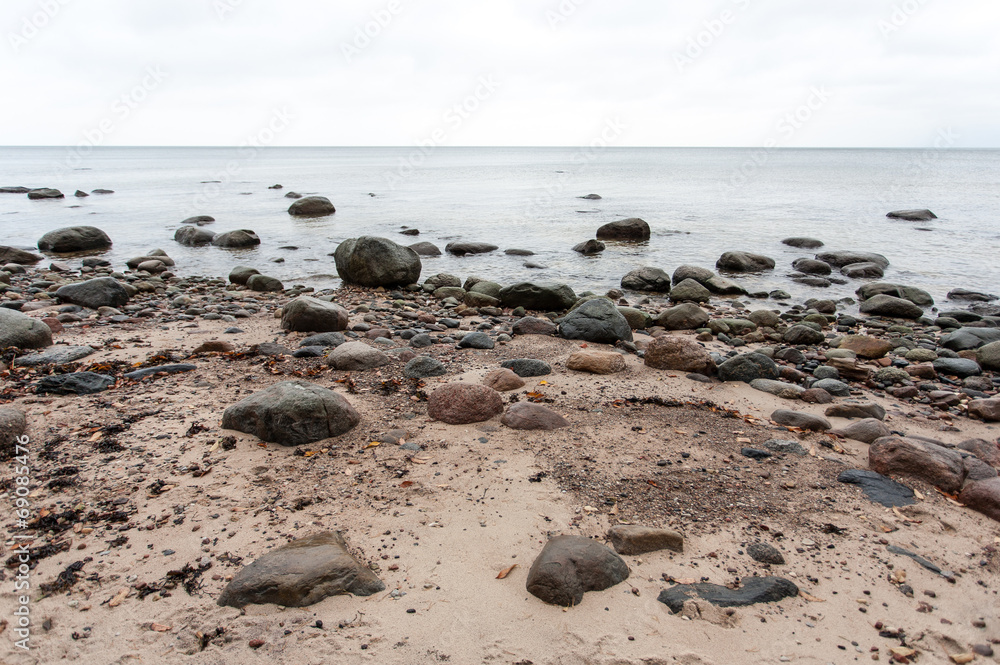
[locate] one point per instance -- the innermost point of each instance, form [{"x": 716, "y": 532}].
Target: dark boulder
[
  {"x": 371, "y": 261},
  {"x": 77, "y": 383},
  {"x": 597, "y": 321},
  {"x": 95, "y": 293},
  {"x": 312, "y": 206},
  {"x": 912, "y": 215},
  {"x": 590, "y": 247},
  {"x": 426, "y": 249},
  {"x": 878, "y": 488},
  {"x": 74, "y": 239},
  {"x": 192, "y": 236},
  {"x": 570, "y": 566},
  {"x": 840, "y": 259},
  {"x": 754, "y": 590},
  {"x": 544, "y": 297},
  {"x": 18, "y": 256},
  {"x": 45, "y": 193},
  {"x": 238, "y": 239},
  {"x": 625, "y": 229},
  {"x": 743, "y": 262},
  {"x": 803, "y": 243},
  {"x": 463, "y": 248},
  {"x": 748, "y": 367}
]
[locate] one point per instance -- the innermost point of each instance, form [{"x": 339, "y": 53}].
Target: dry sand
[{"x": 439, "y": 525}]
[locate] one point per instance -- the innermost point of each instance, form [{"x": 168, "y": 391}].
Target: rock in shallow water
[
  {"x": 74, "y": 239},
  {"x": 570, "y": 566},
  {"x": 292, "y": 413},
  {"x": 892, "y": 307},
  {"x": 302, "y": 573},
  {"x": 742, "y": 262},
  {"x": 312, "y": 206},
  {"x": 625, "y": 229},
  {"x": 370, "y": 261}
]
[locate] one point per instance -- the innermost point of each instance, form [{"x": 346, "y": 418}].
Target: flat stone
[
  {"x": 530, "y": 416},
  {"x": 801, "y": 420},
  {"x": 55, "y": 355},
  {"x": 634, "y": 540},
  {"x": 783, "y": 447},
  {"x": 77, "y": 383},
  {"x": 527, "y": 367},
  {"x": 300, "y": 574},
  {"x": 878, "y": 488},
  {"x": 596, "y": 362},
  {"x": 754, "y": 590},
  {"x": 160, "y": 369},
  {"x": 855, "y": 410},
  {"x": 866, "y": 430},
  {"x": 778, "y": 388}
]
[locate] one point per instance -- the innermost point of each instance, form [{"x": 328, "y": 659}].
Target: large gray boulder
[
  {"x": 371, "y": 261},
  {"x": 74, "y": 239},
  {"x": 913, "y": 294},
  {"x": 890, "y": 306},
  {"x": 632, "y": 228},
  {"x": 545, "y": 297},
  {"x": 647, "y": 278},
  {"x": 570, "y": 566},
  {"x": 95, "y": 293},
  {"x": 744, "y": 262},
  {"x": 292, "y": 413},
  {"x": 192, "y": 236},
  {"x": 748, "y": 367},
  {"x": 597, "y": 321},
  {"x": 690, "y": 291},
  {"x": 22, "y": 331},
  {"x": 239, "y": 239},
  {"x": 300, "y": 574},
  {"x": 312, "y": 206},
  {"x": 19, "y": 256},
  {"x": 839, "y": 259},
  {"x": 308, "y": 314}
]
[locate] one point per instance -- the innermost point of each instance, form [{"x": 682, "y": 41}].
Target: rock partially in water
[
  {"x": 891, "y": 307},
  {"x": 803, "y": 243},
  {"x": 192, "y": 236},
  {"x": 45, "y": 193},
  {"x": 647, "y": 278},
  {"x": 632, "y": 228},
  {"x": 239, "y": 239},
  {"x": 744, "y": 262},
  {"x": 74, "y": 239},
  {"x": 463, "y": 248},
  {"x": 312, "y": 206},
  {"x": 371, "y": 261},
  {"x": 912, "y": 215}
]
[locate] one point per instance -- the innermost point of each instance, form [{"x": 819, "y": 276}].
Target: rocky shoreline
[{"x": 729, "y": 445}]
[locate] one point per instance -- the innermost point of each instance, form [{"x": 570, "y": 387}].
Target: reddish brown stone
[
  {"x": 865, "y": 346},
  {"x": 988, "y": 451},
  {"x": 528, "y": 416},
  {"x": 503, "y": 380},
  {"x": 596, "y": 362},
  {"x": 464, "y": 403},
  {"x": 682, "y": 354},
  {"x": 986, "y": 409},
  {"x": 53, "y": 323},
  {"x": 936, "y": 465},
  {"x": 983, "y": 496},
  {"x": 816, "y": 396}
]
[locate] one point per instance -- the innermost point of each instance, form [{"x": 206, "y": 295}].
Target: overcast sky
[{"x": 893, "y": 73}]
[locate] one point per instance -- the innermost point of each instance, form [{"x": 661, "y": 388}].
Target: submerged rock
[{"x": 632, "y": 228}]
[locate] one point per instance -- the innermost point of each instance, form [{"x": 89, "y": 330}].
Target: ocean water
[{"x": 698, "y": 202}]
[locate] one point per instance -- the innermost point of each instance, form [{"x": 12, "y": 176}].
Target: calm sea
[{"x": 698, "y": 202}]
